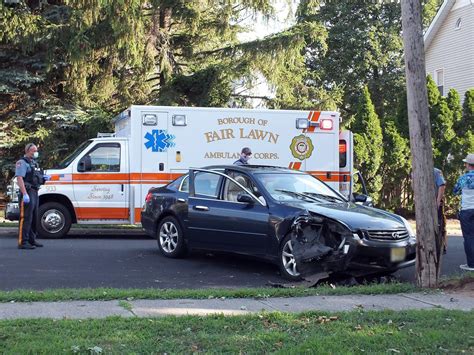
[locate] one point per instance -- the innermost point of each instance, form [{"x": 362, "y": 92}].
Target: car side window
[
  {"x": 184, "y": 184},
  {"x": 232, "y": 190},
  {"x": 206, "y": 184}
]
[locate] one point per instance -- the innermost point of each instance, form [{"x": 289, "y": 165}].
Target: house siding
[{"x": 453, "y": 51}]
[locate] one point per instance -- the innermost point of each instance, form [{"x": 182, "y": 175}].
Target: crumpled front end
[{"x": 320, "y": 244}]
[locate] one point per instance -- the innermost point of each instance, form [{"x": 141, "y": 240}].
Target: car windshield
[
  {"x": 66, "y": 161},
  {"x": 287, "y": 186}
]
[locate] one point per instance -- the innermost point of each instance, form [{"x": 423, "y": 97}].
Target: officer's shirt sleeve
[{"x": 21, "y": 168}]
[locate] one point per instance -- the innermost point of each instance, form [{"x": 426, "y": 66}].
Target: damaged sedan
[{"x": 285, "y": 216}]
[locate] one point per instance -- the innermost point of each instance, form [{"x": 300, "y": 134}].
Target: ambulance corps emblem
[{"x": 301, "y": 147}]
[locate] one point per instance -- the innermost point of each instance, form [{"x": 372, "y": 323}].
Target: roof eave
[{"x": 437, "y": 21}]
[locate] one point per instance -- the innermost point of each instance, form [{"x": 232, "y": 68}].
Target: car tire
[
  {"x": 54, "y": 220},
  {"x": 170, "y": 238},
  {"x": 286, "y": 261}
]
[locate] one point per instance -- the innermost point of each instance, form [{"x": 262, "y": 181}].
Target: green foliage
[
  {"x": 207, "y": 87},
  {"x": 364, "y": 48},
  {"x": 395, "y": 169},
  {"x": 368, "y": 147},
  {"x": 430, "y": 7},
  {"x": 466, "y": 130}
]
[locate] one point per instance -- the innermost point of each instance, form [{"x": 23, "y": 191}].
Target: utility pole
[{"x": 428, "y": 253}]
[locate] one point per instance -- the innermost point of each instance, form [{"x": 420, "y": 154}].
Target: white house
[{"x": 449, "y": 47}]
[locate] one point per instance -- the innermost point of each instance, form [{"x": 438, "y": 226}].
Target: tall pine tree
[{"x": 368, "y": 144}]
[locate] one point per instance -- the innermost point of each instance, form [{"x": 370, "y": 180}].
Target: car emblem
[{"x": 395, "y": 235}]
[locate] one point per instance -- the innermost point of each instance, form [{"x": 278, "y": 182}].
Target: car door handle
[
  {"x": 181, "y": 200},
  {"x": 201, "y": 208}
]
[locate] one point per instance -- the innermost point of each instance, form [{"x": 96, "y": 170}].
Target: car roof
[{"x": 255, "y": 169}]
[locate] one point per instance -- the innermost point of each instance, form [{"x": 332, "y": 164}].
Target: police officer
[{"x": 29, "y": 178}]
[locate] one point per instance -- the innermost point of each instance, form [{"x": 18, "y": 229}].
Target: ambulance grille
[{"x": 394, "y": 234}]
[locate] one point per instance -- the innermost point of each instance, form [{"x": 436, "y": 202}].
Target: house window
[
  {"x": 439, "y": 79},
  {"x": 457, "y": 26}
]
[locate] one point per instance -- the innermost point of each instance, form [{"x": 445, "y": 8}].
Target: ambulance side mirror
[{"x": 84, "y": 164}]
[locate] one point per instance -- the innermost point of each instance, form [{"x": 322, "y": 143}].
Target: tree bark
[
  {"x": 428, "y": 256},
  {"x": 165, "y": 22}
]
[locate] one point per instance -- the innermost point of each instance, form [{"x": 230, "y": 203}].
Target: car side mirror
[
  {"x": 359, "y": 197},
  {"x": 84, "y": 164},
  {"x": 245, "y": 198},
  {"x": 363, "y": 199}
]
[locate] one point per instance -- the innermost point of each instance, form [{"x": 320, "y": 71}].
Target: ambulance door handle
[
  {"x": 121, "y": 188},
  {"x": 201, "y": 208}
]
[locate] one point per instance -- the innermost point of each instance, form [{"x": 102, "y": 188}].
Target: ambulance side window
[{"x": 104, "y": 157}]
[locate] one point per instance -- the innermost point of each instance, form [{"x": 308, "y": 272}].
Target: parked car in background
[{"x": 285, "y": 216}]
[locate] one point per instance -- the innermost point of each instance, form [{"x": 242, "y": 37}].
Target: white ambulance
[{"x": 105, "y": 180}]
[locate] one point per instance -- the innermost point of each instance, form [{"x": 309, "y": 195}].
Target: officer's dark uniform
[{"x": 33, "y": 178}]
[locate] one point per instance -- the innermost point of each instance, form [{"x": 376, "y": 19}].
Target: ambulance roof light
[
  {"x": 326, "y": 124},
  {"x": 302, "y": 123},
  {"x": 179, "y": 120},
  {"x": 105, "y": 135},
  {"x": 149, "y": 119}
]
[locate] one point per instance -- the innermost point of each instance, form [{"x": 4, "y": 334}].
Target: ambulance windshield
[{"x": 66, "y": 161}]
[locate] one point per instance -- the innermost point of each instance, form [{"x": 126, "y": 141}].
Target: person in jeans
[{"x": 465, "y": 187}]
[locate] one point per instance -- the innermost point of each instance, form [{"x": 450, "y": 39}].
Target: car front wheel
[
  {"x": 287, "y": 262},
  {"x": 170, "y": 238}
]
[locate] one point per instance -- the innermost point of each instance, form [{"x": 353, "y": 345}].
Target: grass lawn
[
  {"x": 433, "y": 331},
  {"x": 153, "y": 293}
]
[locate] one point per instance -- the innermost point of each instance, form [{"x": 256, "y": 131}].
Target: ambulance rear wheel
[{"x": 54, "y": 220}]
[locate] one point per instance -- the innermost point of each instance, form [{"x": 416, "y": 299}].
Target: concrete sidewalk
[{"x": 235, "y": 306}]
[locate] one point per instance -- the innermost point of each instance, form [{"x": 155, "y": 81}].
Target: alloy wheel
[
  {"x": 168, "y": 237},
  {"x": 288, "y": 259}
]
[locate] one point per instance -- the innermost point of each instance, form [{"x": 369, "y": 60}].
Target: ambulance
[{"x": 105, "y": 180}]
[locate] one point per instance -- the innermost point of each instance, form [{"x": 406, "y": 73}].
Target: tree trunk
[
  {"x": 165, "y": 21},
  {"x": 428, "y": 256}
]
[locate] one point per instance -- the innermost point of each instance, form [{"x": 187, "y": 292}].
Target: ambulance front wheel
[{"x": 54, "y": 220}]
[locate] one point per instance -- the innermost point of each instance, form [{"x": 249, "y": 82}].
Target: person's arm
[
  {"x": 458, "y": 187},
  {"x": 440, "y": 195},
  {"x": 21, "y": 184}
]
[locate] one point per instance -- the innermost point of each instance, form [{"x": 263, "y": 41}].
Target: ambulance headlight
[
  {"x": 179, "y": 120},
  {"x": 302, "y": 123}
]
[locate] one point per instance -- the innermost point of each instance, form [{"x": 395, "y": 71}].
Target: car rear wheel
[
  {"x": 287, "y": 262},
  {"x": 170, "y": 238}
]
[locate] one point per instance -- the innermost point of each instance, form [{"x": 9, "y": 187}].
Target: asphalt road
[{"x": 129, "y": 259}]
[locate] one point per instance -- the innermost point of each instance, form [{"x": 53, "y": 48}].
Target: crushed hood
[{"x": 354, "y": 216}]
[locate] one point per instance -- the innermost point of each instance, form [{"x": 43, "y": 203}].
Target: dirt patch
[{"x": 464, "y": 285}]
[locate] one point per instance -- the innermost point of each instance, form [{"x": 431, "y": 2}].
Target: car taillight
[
  {"x": 148, "y": 197},
  {"x": 325, "y": 125}
]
